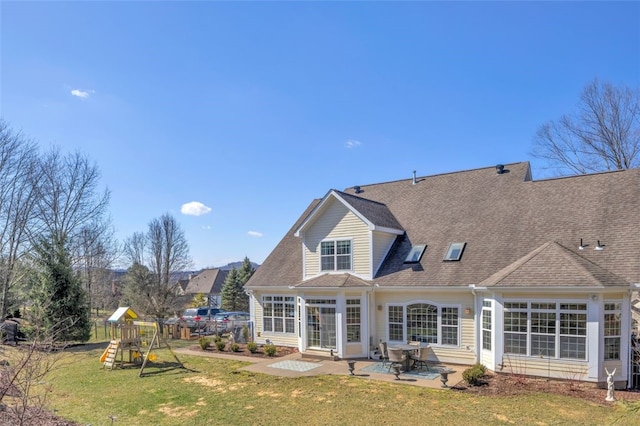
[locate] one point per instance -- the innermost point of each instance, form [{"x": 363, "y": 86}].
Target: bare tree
[
  {"x": 157, "y": 259},
  {"x": 602, "y": 134},
  {"x": 96, "y": 251},
  {"x": 17, "y": 161}
]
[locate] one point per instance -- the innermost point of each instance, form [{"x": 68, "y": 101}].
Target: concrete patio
[{"x": 295, "y": 366}]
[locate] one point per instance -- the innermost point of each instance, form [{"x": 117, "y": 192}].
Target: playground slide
[{"x": 105, "y": 354}]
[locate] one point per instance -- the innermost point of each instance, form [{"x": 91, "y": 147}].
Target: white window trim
[
  {"x": 558, "y": 335},
  {"x": 335, "y": 256},
  {"x": 429, "y": 302},
  {"x": 284, "y": 318},
  {"x": 619, "y": 337}
]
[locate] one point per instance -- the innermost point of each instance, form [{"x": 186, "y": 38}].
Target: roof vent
[
  {"x": 414, "y": 177},
  {"x": 357, "y": 189},
  {"x": 500, "y": 169}
]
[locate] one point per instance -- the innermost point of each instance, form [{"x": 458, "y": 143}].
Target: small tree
[
  {"x": 60, "y": 308},
  {"x": 199, "y": 300},
  {"x": 234, "y": 297}
]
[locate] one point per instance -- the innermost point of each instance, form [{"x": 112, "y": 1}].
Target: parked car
[
  {"x": 225, "y": 322},
  {"x": 200, "y": 318}
]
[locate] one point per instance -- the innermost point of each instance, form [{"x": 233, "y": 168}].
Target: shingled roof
[
  {"x": 208, "y": 281},
  {"x": 509, "y": 223}
]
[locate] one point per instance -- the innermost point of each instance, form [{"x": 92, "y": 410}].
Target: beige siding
[
  {"x": 464, "y": 353},
  {"x": 544, "y": 367},
  {"x": 337, "y": 222},
  {"x": 381, "y": 244},
  {"x": 277, "y": 338}
]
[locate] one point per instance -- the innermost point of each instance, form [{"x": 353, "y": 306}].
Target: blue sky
[{"x": 253, "y": 109}]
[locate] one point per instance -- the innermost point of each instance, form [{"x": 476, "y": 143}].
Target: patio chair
[
  {"x": 421, "y": 358},
  {"x": 384, "y": 356},
  {"x": 396, "y": 357}
]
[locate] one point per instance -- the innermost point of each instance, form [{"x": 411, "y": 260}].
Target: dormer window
[
  {"x": 454, "y": 252},
  {"x": 335, "y": 255}
]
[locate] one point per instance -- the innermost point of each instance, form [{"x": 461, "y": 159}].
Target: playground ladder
[{"x": 111, "y": 352}]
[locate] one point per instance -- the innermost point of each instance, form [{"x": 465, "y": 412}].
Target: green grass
[{"x": 215, "y": 391}]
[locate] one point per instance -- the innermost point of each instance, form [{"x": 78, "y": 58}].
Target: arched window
[{"x": 424, "y": 322}]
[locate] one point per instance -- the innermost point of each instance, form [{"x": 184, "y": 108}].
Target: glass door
[{"x": 321, "y": 327}]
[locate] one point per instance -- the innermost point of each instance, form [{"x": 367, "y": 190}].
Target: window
[
  {"x": 415, "y": 254},
  {"x": 486, "y": 324},
  {"x": 353, "y": 320},
  {"x": 424, "y": 322},
  {"x": 556, "y": 330},
  {"x": 396, "y": 323},
  {"x": 278, "y": 314},
  {"x": 335, "y": 255},
  {"x": 612, "y": 326},
  {"x": 454, "y": 252}
]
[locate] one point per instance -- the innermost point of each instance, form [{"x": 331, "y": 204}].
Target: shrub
[
  {"x": 204, "y": 343},
  {"x": 234, "y": 347},
  {"x": 217, "y": 339},
  {"x": 270, "y": 349},
  {"x": 220, "y": 345},
  {"x": 473, "y": 374},
  {"x": 245, "y": 333},
  {"x": 252, "y": 347}
]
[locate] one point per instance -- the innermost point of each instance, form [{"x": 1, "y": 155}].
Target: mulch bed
[
  {"x": 243, "y": 351},
  {"x": 512, "y": 385}
]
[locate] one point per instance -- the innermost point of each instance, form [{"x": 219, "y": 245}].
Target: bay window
[{"x": 556, "y": 330}]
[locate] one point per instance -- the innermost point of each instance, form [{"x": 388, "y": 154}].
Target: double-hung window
[
  {"x": 335, "y": 255},
  {"x": 486, "y": 324},
  {"x": 612, "y": 327},
  {"x": 353, "y": 320},
  {"x": 278, "y": 314},
  {"x": 550, "y": 329}
]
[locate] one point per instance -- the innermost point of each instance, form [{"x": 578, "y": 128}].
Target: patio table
[{"x": 407, "y": 349}]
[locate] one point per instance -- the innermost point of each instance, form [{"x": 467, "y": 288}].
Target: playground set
[{"x": 137, "y": 338}]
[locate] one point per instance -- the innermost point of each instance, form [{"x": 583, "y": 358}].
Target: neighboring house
[
  {"x": 487, "y": 265},
  {"x": 208, "y": 282}
]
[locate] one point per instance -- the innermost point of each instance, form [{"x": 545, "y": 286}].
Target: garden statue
[{"x": 610, "y": 385}]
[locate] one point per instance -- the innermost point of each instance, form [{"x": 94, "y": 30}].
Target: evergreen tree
[
  {"x": 246, "y": 271},
  {"x": 233, "y": 296},
  {"x": 229, "y": 291},
  {"x": 60, "y": 305}
]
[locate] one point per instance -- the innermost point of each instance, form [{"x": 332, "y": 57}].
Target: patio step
[{"x": 318, "y": 356}]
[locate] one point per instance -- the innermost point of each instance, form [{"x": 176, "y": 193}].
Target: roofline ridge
[
  {"x": 570, "y": 256},
  {"x": 441, "y": 174}
]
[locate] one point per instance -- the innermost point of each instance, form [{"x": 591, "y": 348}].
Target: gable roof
[
  {"x": 502, "y": 218},
  {"x": 376, "y": 215},
  {"x": 208, "y": 281}
]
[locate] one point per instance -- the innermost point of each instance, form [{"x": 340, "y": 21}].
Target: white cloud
[
  {"x": 352, "y": 143},
  {"x": 255, "y": 234},
  {"x": 207, "y": 227},
  {"x": 194, "y": 208},
  {"x": 84, "y": 94}
]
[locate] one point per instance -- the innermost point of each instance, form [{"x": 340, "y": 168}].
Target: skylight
[
  {"x": 454, "y": 252},
  {"x": 416, "y": 253}
]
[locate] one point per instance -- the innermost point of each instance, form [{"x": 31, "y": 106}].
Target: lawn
[{"x": 215, "y": 391}]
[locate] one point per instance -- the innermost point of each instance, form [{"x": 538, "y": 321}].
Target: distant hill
[{"x": 236, "y": 265}]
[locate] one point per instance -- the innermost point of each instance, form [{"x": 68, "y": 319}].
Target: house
[
  {"x": 487, "y": 265},
  {"x": 208, "y": 282}
]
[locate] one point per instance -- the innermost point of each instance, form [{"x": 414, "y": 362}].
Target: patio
[{"x": 295, "y": 366}]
